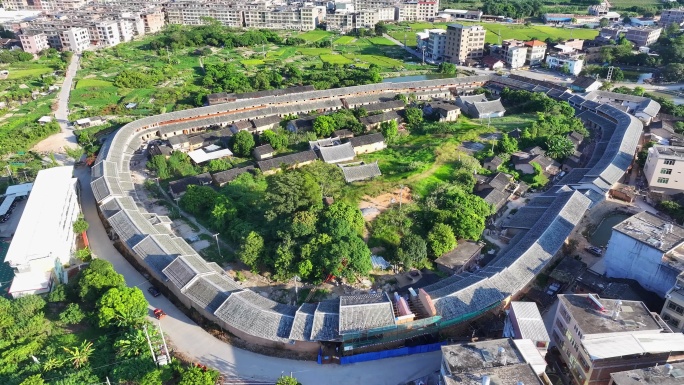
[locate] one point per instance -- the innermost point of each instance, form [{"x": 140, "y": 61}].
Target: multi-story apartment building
[
  {"x": 33, "y": 41},
  {"x": 104, "y": 33},
  {"x": 514, "y": 53},
  {"x": 127, "y": 29},
  {"x": 153, "y": 20},
  {"x": 464, "y": 43},
  {"x": 367, "y": 18},
  {"x": 597, "y": 337},
  {"x": 536, "y": 51},
  {"x": 340, "y": 21},
  {"x": 643, "y": 37},
  {"x": 44, "y": 239},
  {"x": 572, "y": 62},
  {"x": 75, "y": 39},
  {"x": 668, "y": 374},
  {"x": 671, "y": 16},
  {"x": 647, "y": 249},
  {"x": 664, "y": 167},
  {"x": 432, "y": 42},
  {"x": 192, "y": 13},
  {"x": 673, "y": 310}
]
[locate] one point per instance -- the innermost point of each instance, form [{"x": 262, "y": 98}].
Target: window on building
[
  {"x": 669, "y": 162},
  {"x": 666, "y": 171},
  {"x": 663, "y": 180},
  {"x": 671, "y": 321},
  {"x": 676, "y": 308}
]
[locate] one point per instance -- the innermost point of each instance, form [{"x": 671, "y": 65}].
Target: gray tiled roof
[
  {"x": 303, "y": 322},
  {"x": 482, "y": 108},
  {"x": 289, "y": 160},
  {"x": 210, "y": 291},
  {"x": 267, "y": 121},
  {"x": 379, "y": 118},
  {"x": 516, "y": 265},
  {"x": 242, "y": 312},
  {"x": 158, "y": 251},
  {"x": 335, "y": 154},
  {"x": 326, "y": 321},
  {"x": 229, "y": 175},
  {"x": 364, "y": 140},
  {"x": 353, "y": 173}
]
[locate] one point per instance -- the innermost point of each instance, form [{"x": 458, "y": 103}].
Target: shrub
[{"x": 72, "y": 314}]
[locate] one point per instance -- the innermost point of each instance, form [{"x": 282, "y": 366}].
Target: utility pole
[
  {"x": 217, "y": 244},
  {"x": 166, "y": 348},
  {"x": 401, "y": 195},
  {"x": 423, "y": 48},
  {"x": 610, "y": 73}
]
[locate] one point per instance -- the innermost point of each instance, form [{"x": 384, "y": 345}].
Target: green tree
[
  {"x": 341, "y": 219},
  {"x": 287, "y": 380},
  {"x": 243, "y": 143},
  {"x": 507, "y": 145},
  {"x": 559, "y": 147},
  {"x": 80, "y": 225},
  {"x": 251, "y": 249},
  {"x": 292, "y": 191},
  {"x": 159, "y": 165},
  {"x": 447, "y": 68},
  {"x": 72, "y": 314},
  {"x": 603, "y": 22},
  {"x": 277, "y": 140},
  {"x": 324, "y": 126},
  {"x": 96, "y": 279},
  {"x": 198, "y": 376},
  {"x": 122, "y": 307},
  {"x": 35, "y": 379},
  {"x": 198, "y": 200},
  {"x": 79, "y": 355},
  {"x": 389, "y": 130},
  {"x": 380, "y": 28},
  {"x": 412, "y": 251},
  {"x": 441, "y": 239},
  {"x": 413, "y": 117}
]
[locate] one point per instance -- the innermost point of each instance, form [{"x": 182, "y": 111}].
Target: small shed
[
  {"x": 462, "y": 258},
  {"x": 45, "y": 119}
]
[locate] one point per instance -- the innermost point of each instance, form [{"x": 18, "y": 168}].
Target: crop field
[
  {"x": 315, "y": 35},
  {"x": 313, "y": 51},
  {"x": 380, "y": 41},
  {"x": 344, "y": 40},
  {"x": 335, "y": 59},
  {"x": 23, "y": 73},
  {"x": 381, "y": 61},
  {"x": 498, "y": 32},
  {"x": 282, "y": 53},
  {"x": 252, "y": 62},
  {"x": 84, "y": 83}
]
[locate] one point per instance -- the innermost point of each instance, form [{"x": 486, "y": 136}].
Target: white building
[
  {"x": 105, "y": 33},
  {"x": 673, "y": 309},
  {"x": 648, "y": 249},
  {"x": 664, "y": 167},
  {"x": 44, "y": 239},
  {"x": 75, "y": 39},
  {"x": 573, "y": 63},
  {"x": 34, "y": 41},
  {"x": 464, "y": 43},
  {"x": 597, "y": 337},
  {"x": 515, "y": 56},
  {"x": 433, "y": 42},
  {"x": 524, "y": 322}
]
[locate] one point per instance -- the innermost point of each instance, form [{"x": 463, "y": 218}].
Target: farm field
[
  {"x": 344, "y": 40},
  {"x": 84, "y": 83},
  {"x": 23, "y": 73},
  {"x": 315, "y": 35},
  {"x": 498, "y": 32}
]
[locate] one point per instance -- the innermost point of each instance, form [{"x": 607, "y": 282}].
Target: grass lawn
[
  {"x": 252, "y": 62},
  {"x": 83, "y": 83},
  {"x": 22, "y": 73},
  {"x": 335, "y": 59},
  {"x": 313, "y": 51},
  {"x": 344, "y": 40},
  {"x": 381, "y": 61},
  {"x": 380, "y": 41},
  {"x": 509, "y": 123},
  {"x": 315, "y": 35},
  {"x": 494, "y": 30}
]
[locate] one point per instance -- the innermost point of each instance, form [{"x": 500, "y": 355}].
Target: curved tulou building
[{"x": 359, "y": 322}]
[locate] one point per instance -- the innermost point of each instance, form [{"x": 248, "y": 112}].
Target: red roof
[{"x": 534, "y": 43}]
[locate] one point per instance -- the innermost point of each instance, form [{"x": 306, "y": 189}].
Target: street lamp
[{"x": 217, "y": 244}]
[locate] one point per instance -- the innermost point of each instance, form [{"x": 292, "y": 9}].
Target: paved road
[
  {"x": 65, "y": 138},
  {"x": 192, "y": 340}
]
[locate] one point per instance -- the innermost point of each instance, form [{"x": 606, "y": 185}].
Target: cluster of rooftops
[{"x": 456, "y": 299}]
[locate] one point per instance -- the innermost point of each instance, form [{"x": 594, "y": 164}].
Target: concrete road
[
  {"x": 192, "y": 340},
  {"x": 66, "y": 137}
]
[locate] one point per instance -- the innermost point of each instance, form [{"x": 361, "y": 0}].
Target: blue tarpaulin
[{"x": 363, "y": 357}]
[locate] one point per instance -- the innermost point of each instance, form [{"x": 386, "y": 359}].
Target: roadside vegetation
[{"x": 83, "y": 333}]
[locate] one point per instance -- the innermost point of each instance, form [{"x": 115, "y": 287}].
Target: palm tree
[{"x": 80, "y": 355}]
